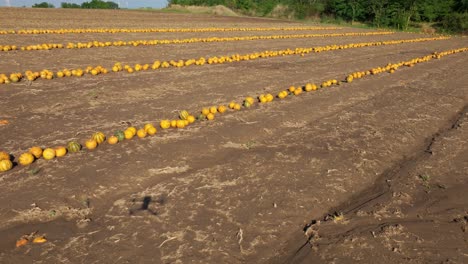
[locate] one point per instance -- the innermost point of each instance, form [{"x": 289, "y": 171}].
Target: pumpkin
[
  {"x": 191, "y": 119},
  {"x": 60, "y": 151},
  {"x": 186, "y": 122},
  {"x": 205, "y": 111},
  {"x": 210, "y": 116},
  {"x": 213, "y": 110},
  {"x": 298, "y": 91},
  {"x": 141, "y": 133},
  {"x": 36, "y": 151},
  {"x": 4, "y": 156},
  {"x": 247, "y": 104},
  {"x": 99, "y": 137},
  {"x": 133, "y": 129},
  {"x": 73, "y": 146},
  {"x": 113, "y": 140},
  {"x": 222, "y": 109},
  {"x": 128, "y": 134},
  {"x": 291, "y": 89},
  {"x": 231, "y": 105},
  {"x": 308, "y": 87},
  {"x": 151, "y": 131},
  {"x": 26, "y": 159},
  {"x": 237, "y": 107},
  {"x": 120, "y": 135},
  {"x": 91, "y": 144},
  {"x": 262, "y": 99},
  {"x": 180, "y": 124},
  {"x": 147, "y": 126},
  {"x": 5, "y": 165},
  {"x": 250, "y": 100},
  {"x": 165, "y": 124},
  {"x": 174, "y": 123},
  {"x": 48, "y": 153},
  {"x": 184, "y": 115},
  {"x": 269, "y": 97}
]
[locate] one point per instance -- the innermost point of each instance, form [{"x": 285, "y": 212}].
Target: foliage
[
  {"x": 449, "y": 14},
  {"x": 93, "y": 4},
  {"x": 43, "y": 5},
  {"x": 69, "y": 5}
]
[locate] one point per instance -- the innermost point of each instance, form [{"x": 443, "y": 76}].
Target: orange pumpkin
[
  {"x": 113, "y": 140},
  {"x": 91, "y": 144},
  {"x": 4, "y": 155},
  {"x": 141, "y": 133},
  {"x": 36, "y": 151},
  {"x": 60, "y": 151}
]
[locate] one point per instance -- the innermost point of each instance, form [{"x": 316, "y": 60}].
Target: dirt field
[{"x": 373, "y": 171}]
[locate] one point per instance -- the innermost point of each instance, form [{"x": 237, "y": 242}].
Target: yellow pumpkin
[
  {"x": 5, "y": 165},
  {"x": 147, "y": 126},
  {"x": 141, "y": 133},
  {"x": 222, "y": 109},
  {"x": 128, "y": 134},
  {"x": 133, "y": 129},
  {"x": 180, "y": 124},
  {"x": 60, "y": 151},
  {"x": 249, "y": 99},
  {"x": 26, "y": 159},
  {"x": 210, "y": 116},
  {"x": 48, "y": 153},
  {"x": 174, "y": 123},
  {"x": 113, "y": 140},
  {"x": 151, "y": 131},
  {"x": 4, "y": 156},
  {"x": 36, "y": 151},
  {"x": 91, "y": 144},
  {"x": 99, "y": 137},
  {"x": 191, "y": 119},
  {"x": 205, "y": 111},
  {"x": 213, "y": 110},
  {"x": 165, "y": 124}
]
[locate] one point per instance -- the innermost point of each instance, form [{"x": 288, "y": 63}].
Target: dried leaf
[{"x": 21, "y": 242}]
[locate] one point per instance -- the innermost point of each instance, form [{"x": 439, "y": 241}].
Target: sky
[{"x": 56, "y": 3}]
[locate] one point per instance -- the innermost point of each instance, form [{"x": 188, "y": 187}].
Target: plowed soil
[{"x": 373, "y": 171}]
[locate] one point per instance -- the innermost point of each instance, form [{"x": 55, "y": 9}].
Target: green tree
[
  {"x": 69, "y": 5},
  {"x": 43, "y": 5}
]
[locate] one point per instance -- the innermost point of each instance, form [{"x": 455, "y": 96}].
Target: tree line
[
  {"x": 449, "y": 15},
  {"x": 93, "y": 4}
]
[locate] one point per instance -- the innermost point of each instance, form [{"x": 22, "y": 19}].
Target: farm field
[{"x": 368, "y": 166}]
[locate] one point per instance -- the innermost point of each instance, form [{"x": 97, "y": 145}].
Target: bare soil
[{"x": 387, "y": 153}]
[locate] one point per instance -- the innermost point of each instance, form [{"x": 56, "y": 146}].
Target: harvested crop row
[
  {"x": 151, "y": 30},
  {"x": 136, "y": 43},
  {"x": 118, "y": 67},
  {"x": 209, "y": 113}
]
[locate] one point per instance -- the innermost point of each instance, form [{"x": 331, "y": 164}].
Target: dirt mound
[{"x": 218, "y": 10}]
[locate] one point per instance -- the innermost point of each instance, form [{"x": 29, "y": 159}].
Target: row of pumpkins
[
  {"x": 135, "y": 43},
  {"x": 153, "y": 30},
  {"x": 185, "y": 118},
  {"x": 48, "y": 75}
]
